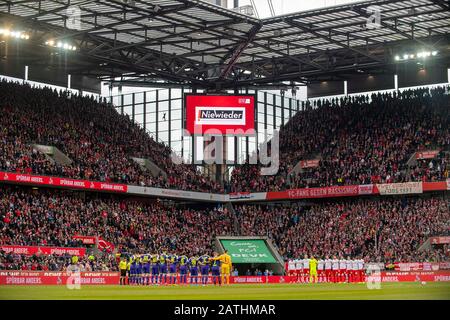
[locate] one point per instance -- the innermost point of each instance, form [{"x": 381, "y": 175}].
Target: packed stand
[
  {"x": 359, "y": 140},
  {"x": 385, "y": 230},
  {"x": 98, "y": 140},
  {"x": 50, "y": 218},
  {"x": 52, "y": 262}
]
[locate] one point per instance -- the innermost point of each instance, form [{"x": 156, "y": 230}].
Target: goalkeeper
[{"x": 225, "y": 260}]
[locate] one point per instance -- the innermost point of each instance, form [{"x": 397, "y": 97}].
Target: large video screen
[
  {"x": 248, "y": 251},
  {"x": 226, "y": 114}
]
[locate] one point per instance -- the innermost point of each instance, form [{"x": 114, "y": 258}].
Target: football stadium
[{"x": 224, "y": 150}]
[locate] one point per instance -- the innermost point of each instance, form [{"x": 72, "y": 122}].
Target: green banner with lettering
[{"x": 248, "y": 251}]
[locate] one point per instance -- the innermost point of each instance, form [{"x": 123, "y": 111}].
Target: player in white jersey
[
  {"x": 335, "y": 269},
  {"x": 349, "y": 267},
  {"x": 320, "y": 270},
  {"x": 354, "y": 273},
  {"x": 342, "y": 269},
  {"x": 298, "y": 269},
  {"x": 328, "y": 269},
  {"x": 361, "y": 271},
  {"x": 291, "y": 267},
  {"x": 305, "y": 276}
]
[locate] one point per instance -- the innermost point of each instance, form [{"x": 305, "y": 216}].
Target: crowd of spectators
[
  {"x": 52, "y": 262},
  {"x": 98, "y": 140},
  {"x": 378, "y": 230},
  {"x": 52, "y": 218},
  {"x": 360, "y": 140}
]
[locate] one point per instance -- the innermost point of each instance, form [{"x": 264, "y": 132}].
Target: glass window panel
[
  {"x": 286, "y": 116},
  {"x": 176, "y": 135},
  {"x": 127, "y": 99},
  {"x": 286, "y": 105},
  {"x": 176, "y": 94},
  {"x": 261, "y": 118},
  {"x": 138, "y": 97},
  {"x": 278, "y": 112},
  {"x": 176, "y": 146},
  {"x": 138, "y": 108},
  {"x": 151, "y": 96},
  {"x": 151, "y": 128},
  {"x": 278, "y": 121},
  {"x": 163, "y": 106},
  {"x": 176, "y": 114},
  {"x": 164, "y": 136},
  {"x": 151, "y": 107},
  {"x": 163, "y": 126},
  {"x": 176, "y": 125},
  {"x": 278, "y": 100},
  {"x": 261, "y": 107},
  {"x": 163, "y": 94},
  {"x": 117, "y": 101},
  {"x": 139, "y": 118},
  {"x": 260, "y": 96},
  {"x": 151, "y": 117},
  {"x": 127, "y": 110},
  {"x": 176, "y": 104}
]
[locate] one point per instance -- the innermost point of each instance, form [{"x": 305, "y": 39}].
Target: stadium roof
[{"x": 191, "y": 42}]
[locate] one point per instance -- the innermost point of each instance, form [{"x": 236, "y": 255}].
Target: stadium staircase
[
  {"x": 148, "y": 165},
  {"x": 236, "y": 225},
  {"x": 53, "y": 154}
]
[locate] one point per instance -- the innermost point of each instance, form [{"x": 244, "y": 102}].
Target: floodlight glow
[
  {"x": 62, "y": 45},
  {"x": 14, "y": 34},
  {"x": 397, "y": 58},
  {"x": 434, "y": 53},
  {"x": 405, "y": 56}
]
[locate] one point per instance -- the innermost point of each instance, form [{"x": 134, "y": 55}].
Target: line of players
[
  {"x": 328, "y": 270},
  {"x": 169, "y": 269}
]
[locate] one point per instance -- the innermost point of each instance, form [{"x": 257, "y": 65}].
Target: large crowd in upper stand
[
  {"x": 377, "y": 230},
  {"x": 98, "y": 140},
  {"x": 360, "y": 140}
]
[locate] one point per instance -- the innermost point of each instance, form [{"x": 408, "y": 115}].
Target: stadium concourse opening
[{"x": 149, "y": 149}]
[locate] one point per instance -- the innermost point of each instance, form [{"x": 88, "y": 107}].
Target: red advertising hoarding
[
  {"x": 220, "y": 114},
  {"x": 9, "y": 277},
  {"x": 31, "y": 250},
  {"x": 102, "y": 243},
  {"x": 429, "y": 154},
  {"x": 57, "y": 278},
  {"x": 62, "y": 182},
  {"x": 309, "y": 163}
]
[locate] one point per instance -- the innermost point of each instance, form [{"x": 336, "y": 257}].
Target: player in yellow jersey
[
  {"x": 312, "y": 269},
  {"x": 123, "y": 271},
  {"x": 226, "y": 263}
]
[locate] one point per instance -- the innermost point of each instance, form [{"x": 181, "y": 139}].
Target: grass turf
[{"x": 408, "y": 290}]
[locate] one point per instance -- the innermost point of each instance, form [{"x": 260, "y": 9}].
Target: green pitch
[{"x": 411, "y": 290}]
